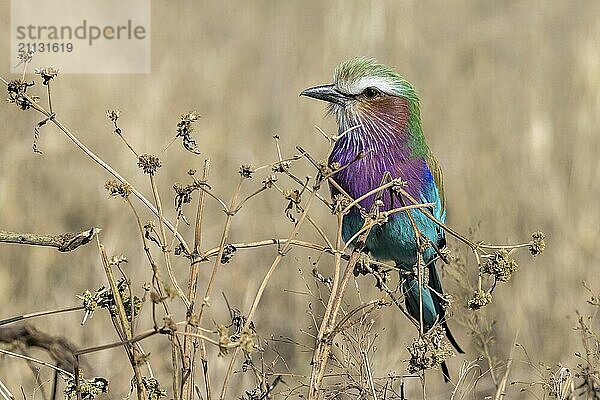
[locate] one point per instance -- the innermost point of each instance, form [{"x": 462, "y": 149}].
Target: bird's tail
[{"x": 432, "y": 307}]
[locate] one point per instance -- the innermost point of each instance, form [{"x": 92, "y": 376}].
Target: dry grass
[{"x": 510, "y": 106}]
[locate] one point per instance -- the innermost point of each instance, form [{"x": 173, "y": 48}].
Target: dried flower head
[
  {"x": 246, "y": 170},
  {"x": 281, "y": 166},
  {"x": 339, "y": 203},
  {"x": 228, "y": 253},
  {"x": 500, "y": 265},
  {"x": 295, "y": 197},
  {"x": 429, "y": 350},
  {"x": 88, "y": 389},
  {"x": 46, "y": 73},
  {"x": 89, "y": 304},
  {"x": 153, "y": 388},
  {"x": 116, "y": 188},
  {"x": 25, "y": 56},
  {"x": 115, "y": 261},
  {"x": 185, "y": 129},
  {"x": 269, "y": 181},
  {"x": 113, "y": 115},
  {"x": 17, "y": 93},
  {"x": 480, "y": 299},
  {"x": 183, "y": 194},
  {"x": 149, "y": 163},
  {"x": 399, "y": 185},
  {"x": 538, "y": 244}
]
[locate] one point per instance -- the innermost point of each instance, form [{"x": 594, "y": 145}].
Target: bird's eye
[{"x": 371, "y": 92}]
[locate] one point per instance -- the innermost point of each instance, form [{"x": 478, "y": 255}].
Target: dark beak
[{"x": 326, "y": 93}]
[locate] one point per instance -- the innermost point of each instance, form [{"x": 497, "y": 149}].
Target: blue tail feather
[{"x": 433, "y": 309}]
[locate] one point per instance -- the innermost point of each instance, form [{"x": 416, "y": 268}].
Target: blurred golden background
[{"x": 510, "y": 95}]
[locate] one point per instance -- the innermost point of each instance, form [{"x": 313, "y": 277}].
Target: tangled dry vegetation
[{"x": 342, "y": 341}]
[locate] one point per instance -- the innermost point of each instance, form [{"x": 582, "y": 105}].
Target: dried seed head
[
  {"x": 246, "y": 170},
  {"x": 398, "y": 185},
  {"x": 292, "y": 195},
  {"x": 500, "y": 265},
  {"x": 88, "y": 389},
  {"x": 115, "y": 261},
  {"x": 46, "y": 73},
  {"x": 185, "y": 124},
  {"x": 113, "y": 115},
  {"x": 25, "y": 56},
  {"x": 429, "y": 350},
  {"x": 480, "y": 299},
  {"x": 339, "y": 204},
  {"x": 269, "y": 181},
  {"x": 89, "y": 303},
  {"x": 185, "y": 129},
  {"x": 17, "y": 93},
  {"x": 153, "y": 388},
  {"x": 538, "y": 244},
  {"x": 281, "y": 167},
  {"x": 116, "y": 188},
  {"x": 228, "y": 253},
  {"x": 149, "y": 163}
]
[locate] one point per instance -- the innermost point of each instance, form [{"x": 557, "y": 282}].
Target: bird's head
[{"x": 366, "y": 93}]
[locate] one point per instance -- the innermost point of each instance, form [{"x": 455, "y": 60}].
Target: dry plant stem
[
  {"x": 189, "y": 352},
  {"x": 63, "y": 242},
  {"x": 139, "y": 337},
  {"x": 157, "y": 282},
  {"x": 369, "y": 374},
  {"x": 384, "y": 214},
  {"x": 280, "y": 242},
  {"x": 5, "y": 393},
  {"x": 174, "y": 362},
  {"x": 131, "y": 350},
  {"x": 488, "y": 357},
  {"x": 262, "y": 288},
  {"x": 165, "y": 249},
  {"x": 324, "y": 338},
  {"x": 52, "y": 117},
  {"x": 156, "y": 279},
  {"x": 175, "y": 345},
  {"x": 501, "y": 392},
  {"x": 474, "y": 246},
  {"x": 38, "y": 314},
  {"x": 223, "y": 242},
  {"x": 31, "y": 359},
  {"x": 334, "y": 289},
  {"x": 118, "y": 132}
]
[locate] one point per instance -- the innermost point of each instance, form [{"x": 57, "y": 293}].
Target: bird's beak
[{"x": 326, "y": 93}]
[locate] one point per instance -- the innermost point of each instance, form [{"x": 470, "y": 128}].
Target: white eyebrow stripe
[{"x": 357, "y": 87}]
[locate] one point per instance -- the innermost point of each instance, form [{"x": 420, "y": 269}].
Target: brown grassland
[{"x": 510, "y": 102}]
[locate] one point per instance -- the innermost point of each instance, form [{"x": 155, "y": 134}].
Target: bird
[{"x": 380, "y": 135}]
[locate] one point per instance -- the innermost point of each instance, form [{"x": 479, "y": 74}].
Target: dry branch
[{"x": 63, "y": 242}]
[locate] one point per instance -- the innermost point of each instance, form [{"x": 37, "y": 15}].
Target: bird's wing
[{"x": 438, "y": 177}]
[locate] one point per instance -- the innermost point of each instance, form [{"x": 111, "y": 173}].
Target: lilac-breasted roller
[{"x": 378, "y": 114}]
